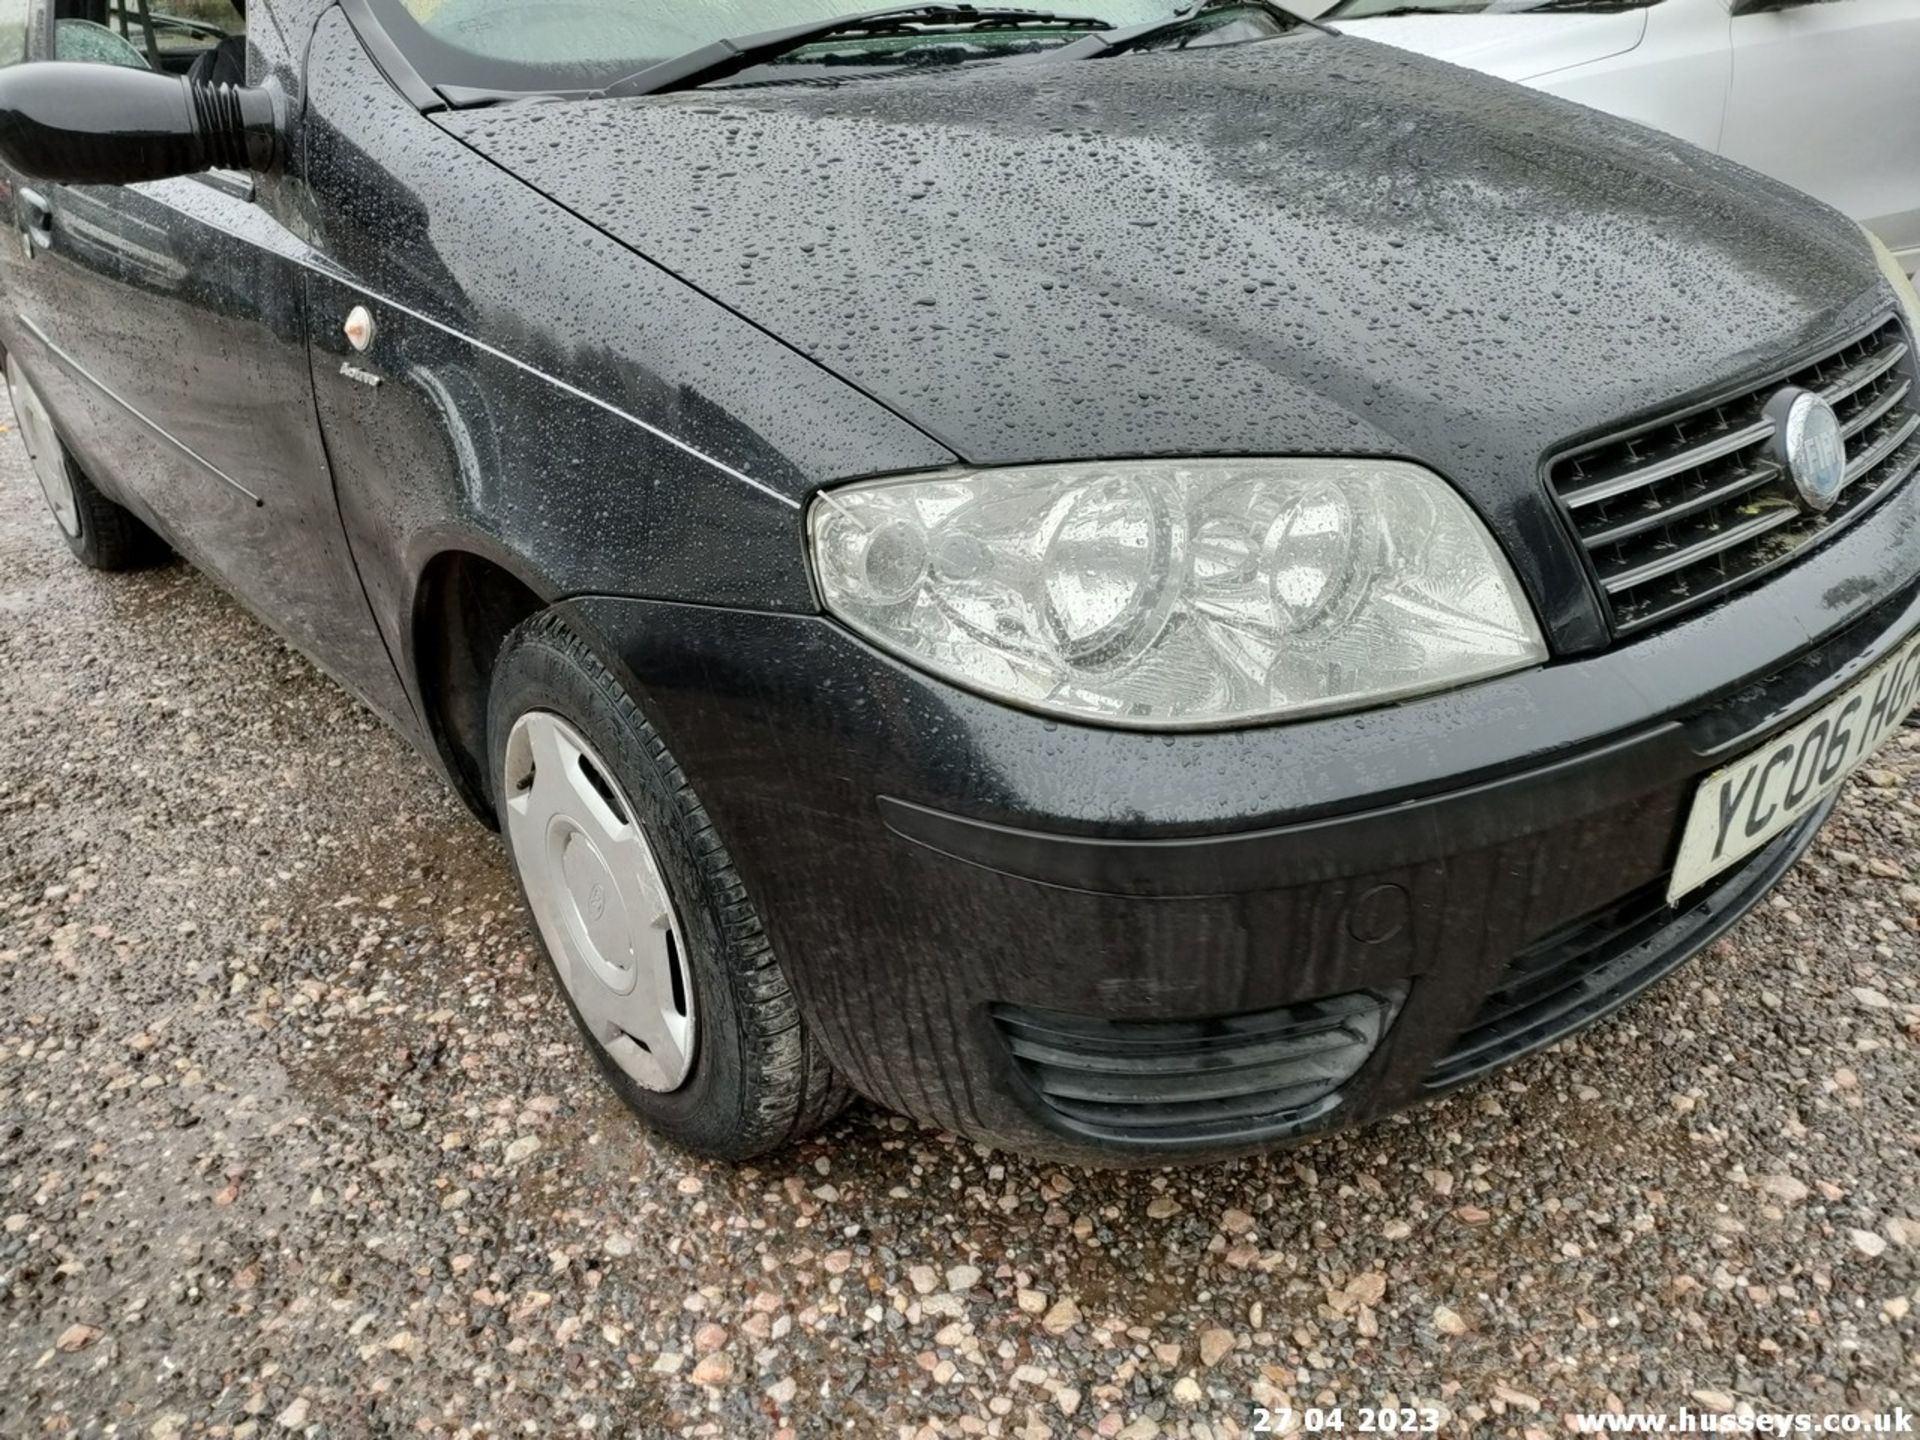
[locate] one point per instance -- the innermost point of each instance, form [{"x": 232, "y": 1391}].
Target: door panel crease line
[{"x": 67, "y": 359}]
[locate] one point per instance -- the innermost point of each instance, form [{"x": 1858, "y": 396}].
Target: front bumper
[{"x": 1019, "y": 928}]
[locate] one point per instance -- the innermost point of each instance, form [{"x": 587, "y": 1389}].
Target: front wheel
[
  {"x": 102, "y": 534},
  {"x": 646, "y": 924}
]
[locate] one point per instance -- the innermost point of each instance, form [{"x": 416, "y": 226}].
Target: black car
[{"x": 1131, "y": 584}]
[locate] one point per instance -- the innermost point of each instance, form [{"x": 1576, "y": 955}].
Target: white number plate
[{"x": 1739, "y": 809}]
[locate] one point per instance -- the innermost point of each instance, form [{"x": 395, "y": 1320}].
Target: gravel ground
[{"x": 295, "y": 1137}]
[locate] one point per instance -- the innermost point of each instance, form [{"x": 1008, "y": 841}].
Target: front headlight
[
  {"x": 1897, "y": 278},
  {"x": 1178, "y": 594}
]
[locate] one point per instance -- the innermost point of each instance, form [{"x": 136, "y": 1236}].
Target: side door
[
  {"x": 1823, "y": 98},
  {"x": 170, "y": 324}
]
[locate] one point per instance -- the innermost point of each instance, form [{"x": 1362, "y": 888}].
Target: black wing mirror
[{"x": 78, "y": 124}]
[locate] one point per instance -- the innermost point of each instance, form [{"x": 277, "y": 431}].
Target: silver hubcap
[
  {"x": 43, "y": 448},
  {"x": 599, "y": 901}
]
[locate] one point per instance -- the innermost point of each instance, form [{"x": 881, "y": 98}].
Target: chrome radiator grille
[{"x": 1691, "y": 507}]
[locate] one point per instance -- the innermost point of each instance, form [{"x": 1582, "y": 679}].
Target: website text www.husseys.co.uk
[{"x": 1697, "y": 1422}]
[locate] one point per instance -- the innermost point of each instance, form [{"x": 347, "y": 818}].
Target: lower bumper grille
[
  {"x": 1169, "y": 1082},
  {"x": 1597, "y": 964}
]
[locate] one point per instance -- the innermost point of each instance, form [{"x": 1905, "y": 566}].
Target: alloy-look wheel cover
[
  {"x": 597, "y": 896},
  {"x": 43, "y": 448}
]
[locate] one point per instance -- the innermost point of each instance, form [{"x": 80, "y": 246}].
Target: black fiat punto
[{"x": 1132, "y": 584}]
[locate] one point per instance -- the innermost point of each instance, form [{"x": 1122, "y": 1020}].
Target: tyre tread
[
  {"x": 795, "y": 1090},
  {"x": 110, "y": 537}
]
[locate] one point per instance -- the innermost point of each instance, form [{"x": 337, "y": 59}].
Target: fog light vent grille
[{"x": 1163, "y": 1082}]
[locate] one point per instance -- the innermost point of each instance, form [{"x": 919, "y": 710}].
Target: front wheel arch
[{"x": 465, "y": 606}]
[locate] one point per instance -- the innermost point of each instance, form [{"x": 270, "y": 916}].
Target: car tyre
[
  {"x": 101, "y": 533},
  {"x": 755, "y": 1079}
]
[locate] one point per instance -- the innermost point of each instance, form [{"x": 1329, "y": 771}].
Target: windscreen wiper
[
  {"x": 1595, "y": 6},
  {"x": 1399, "y": 10},
  {"x": 721, "y": 58},
  {"x": 1111, "y": 41}
]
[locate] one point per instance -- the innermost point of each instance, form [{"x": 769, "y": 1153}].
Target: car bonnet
[{"x": 1312, "y": 244}]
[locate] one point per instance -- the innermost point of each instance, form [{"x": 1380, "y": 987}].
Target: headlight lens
[
  {"x": 1897, "y": 277},
  {"x": 1178, "y": 594}
]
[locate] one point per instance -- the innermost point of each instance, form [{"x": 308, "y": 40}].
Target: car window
[
  {"x": 13, "y": 31},
  {"x": 185, "y": 24},
  {"x": 94, "y": 44},
  {"x": 583, "y": 44},
  {"x": 166, "y": 35}
]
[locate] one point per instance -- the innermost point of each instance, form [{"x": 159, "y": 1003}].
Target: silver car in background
[{"x": 1818, "y": 93}]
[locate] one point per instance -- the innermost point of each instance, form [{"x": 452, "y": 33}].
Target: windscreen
[{"x": 586, "y": 44}]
